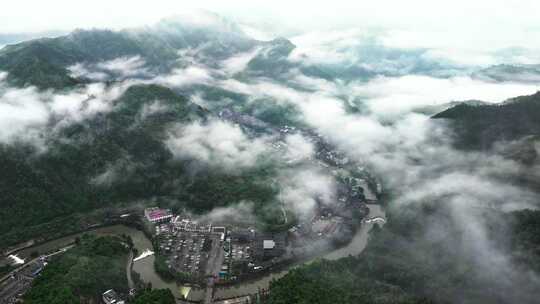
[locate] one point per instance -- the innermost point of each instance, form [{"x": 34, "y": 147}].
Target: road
[
  {"x": 18, "y": 281},
  {"x": 128, "y": 270},
  {"x": 62, "y": 250}
]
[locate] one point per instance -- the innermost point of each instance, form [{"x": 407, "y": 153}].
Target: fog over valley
[{"x": 182, "y": 153}]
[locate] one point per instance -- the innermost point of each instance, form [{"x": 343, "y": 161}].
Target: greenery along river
[{"x": 145, "y": 267}]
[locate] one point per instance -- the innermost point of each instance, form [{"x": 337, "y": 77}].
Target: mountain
[
  {"x": 59, "y": 181},
  {"x": 44, "y": 62},
  {"x": 116, "y": 157},
  {"x": 12, "y": 38},
  {"x": 481, "y": 126},
  {"x": 510, "y": 72},
  {"x": 271, "y": 59},
  {"x": 435, "y": 109},
  {"x": 120, "y": 155},
  {"x": 212, "y": 35}
]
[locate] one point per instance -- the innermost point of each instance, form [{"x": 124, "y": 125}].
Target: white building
[{"x": 110, "y": 297}]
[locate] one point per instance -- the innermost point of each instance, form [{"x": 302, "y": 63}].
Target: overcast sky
[{"x": 482, "y": 23}]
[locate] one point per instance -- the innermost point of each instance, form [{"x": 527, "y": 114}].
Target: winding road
[{"x": 128, "y": 270}]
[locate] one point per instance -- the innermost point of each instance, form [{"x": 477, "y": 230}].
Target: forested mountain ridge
[
  {"x": 78, "y": 166},
  {"x": 480, "y": 126},
  {"x": 204, "y": 119},
  {"x": 60, "y": 181},
  {"x": 44, "y": 62}
]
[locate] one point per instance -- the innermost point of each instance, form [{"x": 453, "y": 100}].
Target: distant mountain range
[
  {"x": 120, "y": 156},
  {"x": 507, "y": 72},
  {"x": 44, "y": 62}
]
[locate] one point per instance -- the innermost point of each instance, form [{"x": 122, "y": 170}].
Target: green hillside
[
  {"x": 62, "y": 181},
  {"x": 83, "y": 273},
  {"x": 480, "y": 126},
  {"x": 400, "y": 266}
]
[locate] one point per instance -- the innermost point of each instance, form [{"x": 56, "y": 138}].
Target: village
[
  {"x": 201, "y": 253},
  {"x": 192, "y": 250}
]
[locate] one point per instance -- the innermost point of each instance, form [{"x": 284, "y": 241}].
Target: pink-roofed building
[{"x": 157, "y": 215}]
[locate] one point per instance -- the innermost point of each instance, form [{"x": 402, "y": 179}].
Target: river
[
  {"x": 355, "y": 247},
  {"x": 145, "y": 267}
]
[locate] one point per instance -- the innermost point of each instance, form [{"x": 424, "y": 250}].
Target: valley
[{"x": 208, "y": 158}]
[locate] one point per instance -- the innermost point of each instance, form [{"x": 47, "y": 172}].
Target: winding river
[{"x": 145, "y": 267}]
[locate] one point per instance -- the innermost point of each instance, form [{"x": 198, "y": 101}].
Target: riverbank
[
  {"x": 355, "y": 247},
  {"x": 145, "y": 267}
]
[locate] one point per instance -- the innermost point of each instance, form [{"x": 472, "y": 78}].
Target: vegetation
[
  {"x": 480, "y": 126},
  {"x": 402, "y": 265},
  {"x": 162, "y": 269},
  {"x": 83, "y": 273},
  {"x": 43, "y": 62},
  {"x": 525, "y": 242},
  {"x": 154, "y": 296},
  {"x": 66, "y": 179},
  {"x": 335, "y": 282},
  {"x": 5, "y": 269},
  {"x": 399, "y": 266}
]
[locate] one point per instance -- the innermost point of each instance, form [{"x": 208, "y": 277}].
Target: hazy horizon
[{"x": 453, "y": 29}]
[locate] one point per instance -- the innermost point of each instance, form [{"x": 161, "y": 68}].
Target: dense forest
[
  {"x": 75, "y": 171},
  {"x": 61, "y": 180},
  {"x": 480, "y": 126},
  {"x": 83, "y": 273},
  {"x": 153, "y": 296},
  {"x": 44, "y": 62}
]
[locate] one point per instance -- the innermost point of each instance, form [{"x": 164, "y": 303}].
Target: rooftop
[{"x": 269, "y": 244}]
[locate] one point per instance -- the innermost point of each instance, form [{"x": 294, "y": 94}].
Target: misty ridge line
[
  {"x": 381, "y": 122},
  {"x": 197, "y": 73}
]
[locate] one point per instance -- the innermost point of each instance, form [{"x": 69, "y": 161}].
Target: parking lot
[{"x": 196, "y": 254}]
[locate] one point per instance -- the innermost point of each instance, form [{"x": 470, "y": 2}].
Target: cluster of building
[
  {"x": 196, "y": 250},
  {"x": 157, "y": 215},
  {"x": 247, "y": 251},
  {"x": 228, "y": 253}
]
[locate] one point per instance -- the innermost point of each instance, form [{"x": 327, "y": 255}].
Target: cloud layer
[
  {"x": 31, "y": 115},
  {"x": 217, "y": 143}
]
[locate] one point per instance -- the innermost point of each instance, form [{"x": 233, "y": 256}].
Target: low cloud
[
  {"x": 239, "y": 62},
  {"x": 298, "y": 148},
  {"x": 114, "y": 172},
  {"x": 30, "y": 115},
  {"x": 216, "y": 143},
  {"x": 387, "y": 96},
  {"x": 301, "y": 189},
  {"x": 118, "y": 69},
  {"x": 21, "y": 111},
  {"x": 154, "y": 107},
  {"x": 241, "y": 212},
  {"x": 410, "y": 152},
  {"x": 181, "y": 77}
]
